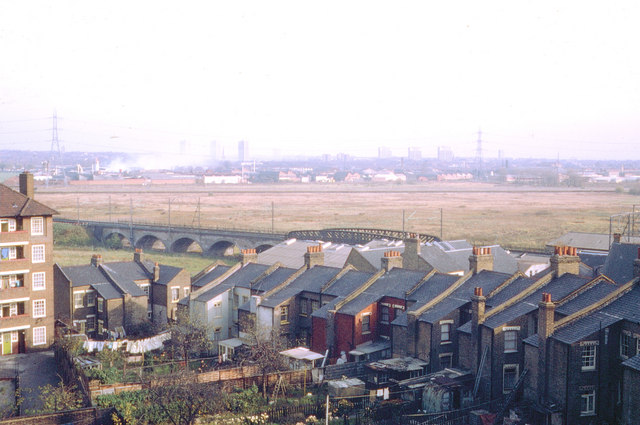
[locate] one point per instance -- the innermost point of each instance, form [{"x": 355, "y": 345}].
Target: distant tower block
[
  {"x": 384, "y": 152},
  {"x": 213, "y": 150},
  {"x": 415, "y": 154},
  {"x": 243, "y": 150},
  {"x": 445, "y": 154}
]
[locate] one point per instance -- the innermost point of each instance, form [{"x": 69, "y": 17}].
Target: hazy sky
[{"x": 539, "y": 78}]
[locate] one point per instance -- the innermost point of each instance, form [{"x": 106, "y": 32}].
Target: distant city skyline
[{"x": 540, "y": 80}]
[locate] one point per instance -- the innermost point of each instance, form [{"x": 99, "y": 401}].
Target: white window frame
[
  {"x": 90, "y": 325},
  {"x": 216, "y": 309},
  {"x": 445, "y": 330},
  {"x": 385, "y": 311},
  {"x": 511, "y": 348},
  {"x": 177, "y": 293},
  {"x": 38, "y": 281},
  {"x": 100, "y": 304},
  {"x": 37, "y": 225},
  {"x": 626, "y": 341},
  {"x": 75, "y": 299},
  {"x": 91, "y": 298},
  {"x": 590, "y": 398},
  {"x": 11, "y": 224},
  {"x": 14, "y": 336},
  {"x": 506, "y": 367},
  {"x": 588, "y": 355},
  {"x": 38, "y": 253},
  {"x": 368, "y": 327},
  {"x": 39, "y": 310},
  {"x": 448, "y": 357},
  {"x": 40, "y": 335}
]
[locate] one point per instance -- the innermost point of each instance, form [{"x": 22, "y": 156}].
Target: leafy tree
[
  {"x": 60, "y": 397},
  {"x": 189, "y": 336}
]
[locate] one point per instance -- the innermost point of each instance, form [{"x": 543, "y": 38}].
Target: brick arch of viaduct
[{"x": 179, "y": 241}]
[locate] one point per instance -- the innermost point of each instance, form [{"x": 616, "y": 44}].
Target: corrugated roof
[{"x": 15, "y": 204}]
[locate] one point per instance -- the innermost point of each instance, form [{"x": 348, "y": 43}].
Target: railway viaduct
[{"x": 178, "y": 238}]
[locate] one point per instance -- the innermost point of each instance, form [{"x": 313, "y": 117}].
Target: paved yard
[{"x": 34, "y": 370}]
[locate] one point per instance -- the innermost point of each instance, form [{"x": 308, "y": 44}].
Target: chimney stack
[
  {"x": 636, "y": 265},
  {"x": 477, "y": 318},
  {"x": 248, "y": 256},
  {"x": 156, "y": 272},
  {"x": 480, "y": 259},
  {"x": 138, "y": 256},
  {"x": 390, "y": 260},
  {"x": 96, "y": 260},
  {"x": 617, "y": 237},
  {"x": 314, "y": 256},
  {"x": 26, "y": 184},
  {"x": 546, "y": 311},
  {"x": 565, "y": 260}
]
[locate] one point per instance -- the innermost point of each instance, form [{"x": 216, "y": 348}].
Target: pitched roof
[
  {"x": 619, "y": 263},
  {"x": 291, "y": 253},
  {"x": 310, "y": 280},
  {"x": 633, "y": 363},
  {"x": 212, "y": 275},
  {"x": 15, "y": 204}
]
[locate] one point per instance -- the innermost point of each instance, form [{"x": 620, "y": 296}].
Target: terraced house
[{"x": 26, "y": 270}]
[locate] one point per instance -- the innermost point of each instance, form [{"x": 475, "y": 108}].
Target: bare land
[{"x": 480, "y": 213}]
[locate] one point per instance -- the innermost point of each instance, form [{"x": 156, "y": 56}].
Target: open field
[
  {"x": 480, "y": 213},
  {"x": 76, "y": 256}
]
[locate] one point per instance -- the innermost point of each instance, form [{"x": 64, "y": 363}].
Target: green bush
[
  {"x": 109, "y": 375},
  {"x": 71, "y": 235}
]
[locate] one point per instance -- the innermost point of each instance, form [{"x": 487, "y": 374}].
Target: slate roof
[
  {"x": 273, "y": 279},
  {"x": 581, "y": 240},
  {"x": 487, "y": 280},
  {"x": 623, "y": 308},
  {"x": 511, "y": 290},
  {"x": 592, "y": 259},
  {"x": 394, "y": 283},
  {"x": 348, "y": 283},
  {"x": 586, "y": 298},
  {"x": 619, "y": 263},
  {"x": 310, "y": 280},
  {"x": 15, "y": 204},
  {"x": 532, "y": 340},
  {"x": 123, "y": 281},
  {"x": 633, "y": 363},
  {"x": 246, "y": 274},
  {"x": 104, "y": 274},
  {"x": 212, "y": 275},
  {"x": 291, "y": 253},
  {"x": 106, "y": 290},
  {"x": 558, "y": 288},
  {"x": 458, "y": 259}
]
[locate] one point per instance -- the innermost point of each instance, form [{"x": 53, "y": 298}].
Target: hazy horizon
[{"x": 540, "y": 80}]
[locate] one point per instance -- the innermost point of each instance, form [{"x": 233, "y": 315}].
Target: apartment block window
[
  {"x": 384, "y": 314},
  {"x": 588, "y": 403},
  {"x": 11, "y": 281},
  {"x": 37, "y": 226},
  {"x": 100, "y": 304},
  {"x": 366, "y": 322},
  {"x": 284, "y": 314},
  {"x": 175, "y": 294},
  {"x": 78, "y": 299},
  {"x": 8, "y": 253},
  {"x": 91, "y": 298},
  {"x": 510, "y": 341},
  {"x": 589, "y": 355},
  {"x": 509, "y": 377},
  {"x": 39, "y": 335},
  {"x": 39, "y": 309},
  {"x": 7, "y": 225},
  {"x": 38, "y": 281},
  {"x": 626, "y": 344},
  {"x": 37, "y": 254},
  {"x": 445, "y": 331}
]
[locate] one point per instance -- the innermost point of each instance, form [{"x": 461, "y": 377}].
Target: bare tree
[
  {"x": 181, "y": 399},
  {"x": 264, "y": 347},
  {"x": 189, "y": 336}
]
